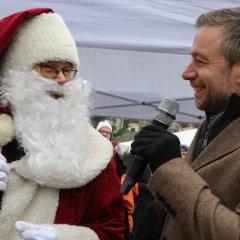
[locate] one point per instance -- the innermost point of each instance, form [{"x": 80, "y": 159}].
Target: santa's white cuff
[{"x": 66, "y": 232}]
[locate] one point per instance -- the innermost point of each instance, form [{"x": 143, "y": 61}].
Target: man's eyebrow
[{"x": 196, "y": 54}]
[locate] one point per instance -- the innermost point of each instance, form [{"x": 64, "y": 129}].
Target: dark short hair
[{"x": 229, "y": 20}]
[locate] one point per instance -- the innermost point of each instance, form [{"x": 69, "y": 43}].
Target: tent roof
[{"x": 133, "y": 52}]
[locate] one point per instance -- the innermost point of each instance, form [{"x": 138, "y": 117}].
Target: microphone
[{"x": 164, "y": 116}]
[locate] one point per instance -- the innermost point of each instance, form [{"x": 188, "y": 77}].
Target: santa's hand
[
  {"x": 30, "y": 231},
  {"x": 4, "y": 171}
]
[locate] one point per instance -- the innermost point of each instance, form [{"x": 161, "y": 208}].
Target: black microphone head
[{"x": 166, "y": 111}]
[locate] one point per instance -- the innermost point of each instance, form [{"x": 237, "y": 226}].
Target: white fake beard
[{"x": 52, "y": 131}]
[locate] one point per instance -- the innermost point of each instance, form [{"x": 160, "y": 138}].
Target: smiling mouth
[
  {"x": 198, "y": 89},
  {"x": 55, "y": 95}
]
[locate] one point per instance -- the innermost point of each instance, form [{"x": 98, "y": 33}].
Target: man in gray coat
[{"x": 201, "y": 193}]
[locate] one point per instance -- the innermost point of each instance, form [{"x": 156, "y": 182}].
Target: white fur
[
  {"x": 63, "y": 150},
  {"x": 44, "y": 37},
  {"x": 37, "y": 205},
  {"x": 67, "y": 232},
  {"x": 6, "y": 129}
]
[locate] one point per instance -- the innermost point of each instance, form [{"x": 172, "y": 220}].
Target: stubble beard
[
  {"x": 217, "y": 97},
  {"x": 215, "y": 102}
]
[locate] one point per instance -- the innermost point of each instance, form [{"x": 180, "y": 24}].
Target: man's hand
[
  {"x": 4, "y": 171},
  {"x": 29, "y": 231},
  {"x": 156, "y": 145}
]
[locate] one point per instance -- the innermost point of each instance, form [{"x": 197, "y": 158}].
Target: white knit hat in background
[{"x": 104, "y": 124}]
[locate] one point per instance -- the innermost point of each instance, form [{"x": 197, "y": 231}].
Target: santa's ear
[{"x": 7, "y": 131}]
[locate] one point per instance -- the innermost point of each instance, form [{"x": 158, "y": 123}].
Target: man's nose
[
  {"x": 190, "y": 72},
  {"x": 61, "y": 79}
]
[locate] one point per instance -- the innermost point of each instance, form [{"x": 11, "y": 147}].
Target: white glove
[
  {"x": 4, "y": 171},
  {"x": 30, "y": 231}
]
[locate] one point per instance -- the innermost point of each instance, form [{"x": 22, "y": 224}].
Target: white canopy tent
[{"x": 132, "y": 51}]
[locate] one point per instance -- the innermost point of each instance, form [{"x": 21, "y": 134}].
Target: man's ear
[
  {"x": 237, "y": 73},
  {"x": 235, "y": 77},
  {"x": 238, "y": 79}
]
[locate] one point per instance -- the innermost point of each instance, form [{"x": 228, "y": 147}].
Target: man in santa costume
[{"x": 61, "y": 183}]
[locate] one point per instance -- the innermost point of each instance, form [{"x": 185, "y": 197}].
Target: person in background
[
  {"x": 198, "y": 205},
  {"x": 184, "y": 149},
  {"x": 143, "y": 203},
  {"x": 151, "y": 225},
  {"x": 105, "y": 128},
  {"x": 60, "y": 185}
]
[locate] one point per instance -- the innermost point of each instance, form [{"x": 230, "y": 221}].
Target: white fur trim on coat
[
  {"x": 35, "y": 204},
  {"x": 6, "y": 129},
  {"x": 44, "y": 37},
  {"x": 66, "y": 232}
]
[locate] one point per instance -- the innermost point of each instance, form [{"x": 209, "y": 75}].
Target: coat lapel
[{"x": 225, "y": 142}]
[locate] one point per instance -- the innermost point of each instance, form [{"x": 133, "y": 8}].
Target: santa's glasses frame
[{"x": 52, "y": 72}]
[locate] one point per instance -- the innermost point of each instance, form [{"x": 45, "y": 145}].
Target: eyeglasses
[
  {"x": 52, "y": 72},
  {"x": 105, "y": 132}
]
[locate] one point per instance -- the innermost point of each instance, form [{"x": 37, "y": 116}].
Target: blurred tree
[{"x": 96, "y": 120}]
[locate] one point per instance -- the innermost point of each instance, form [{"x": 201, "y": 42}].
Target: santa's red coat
[{"x": 94, "y": 206}]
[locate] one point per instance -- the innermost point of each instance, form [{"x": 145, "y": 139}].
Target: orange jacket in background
[{"x": 128, "y": 200}]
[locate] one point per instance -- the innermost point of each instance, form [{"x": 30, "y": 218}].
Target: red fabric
[
  {"x": 10, "y": 24},
  {"x": 5, "y": 110},
  {"x": 98, "y": 205}
]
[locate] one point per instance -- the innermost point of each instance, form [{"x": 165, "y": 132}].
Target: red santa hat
[
  {"x": 30, "y": 37},
  {"x": 34, "y": 36}
]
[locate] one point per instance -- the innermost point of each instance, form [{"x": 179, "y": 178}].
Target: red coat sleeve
[{"x": 98, "y": 205}]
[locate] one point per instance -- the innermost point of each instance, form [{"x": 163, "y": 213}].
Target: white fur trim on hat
[
  {"x": 6, "y": 129},
  {"x": 42, "y": 38},
  {"x": 104, "y": 124}
]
